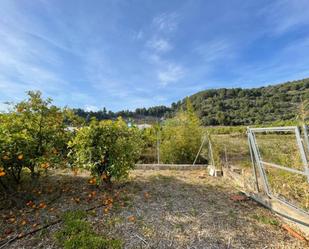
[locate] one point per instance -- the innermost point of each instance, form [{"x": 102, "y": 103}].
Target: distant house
[
  {"x": 71, "y": 128},
  {"x": 143, "y": 126}
]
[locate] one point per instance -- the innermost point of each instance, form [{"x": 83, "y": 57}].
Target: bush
[
  {"x": 181, "y": 137},
  {"x": 32, "y": 136},
  {"x": 109, "y": 149},
  {"x": 150, "y": 137},
  {"x": 78, "y": 233}
]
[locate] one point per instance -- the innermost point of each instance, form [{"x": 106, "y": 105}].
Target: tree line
[
  {"x": 226, "y": 106},
  {"x": 149, "y": 114}
]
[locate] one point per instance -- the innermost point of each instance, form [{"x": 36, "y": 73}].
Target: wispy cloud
[
  {"x": 166, "y": 70},
  {"x": 138, "y": 35},
  {"x": 172, "y": 73},
  {"x": 25, "y": 57},
  {"x": 159, "y": 45},
  {"x": 166, "y": 22},
  {"x": 290, "y": 64},
  {"x": 215, "y": 50},
  {"x": 285, "y": 15},
  {"x": 114, "y": 54}
]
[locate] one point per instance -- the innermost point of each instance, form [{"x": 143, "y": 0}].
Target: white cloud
[
  {"x": 166, "y": 22},
  {"x": 170, "y": 74},
  {"x": 5, "y": 107},
  {"x": 159, "y": 45},
  {"x": 89, "y": 108}
]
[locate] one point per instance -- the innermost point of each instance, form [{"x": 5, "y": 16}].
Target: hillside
[
  {"x": 227, "y": 106},
  {"x": 251, "y": 106}
]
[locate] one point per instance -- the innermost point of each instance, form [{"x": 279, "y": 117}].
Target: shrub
[
  {"x": 32, "y": 135},
  {"x": 181, "y": 137},
  {"x": 109, "y": 149},
  {"x": 150, "y": 138}
]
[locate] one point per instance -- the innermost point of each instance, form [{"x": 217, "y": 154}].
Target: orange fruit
[
  {"x": 42, "y": 205},
  {"x": 131, "y": 218},
  {"x": 20, "y": 157},
  {"x": 92, "y": 181},
  {"x": 2, "y": 173},
  {"x": 12, "y": 220},
  {"x": 45, "y": 165}
]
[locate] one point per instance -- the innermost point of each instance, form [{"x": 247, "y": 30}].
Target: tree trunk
[{"x": 107, "y": 181}]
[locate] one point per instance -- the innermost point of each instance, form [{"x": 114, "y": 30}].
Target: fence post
[
  {"x": 302, "y": 152},
  {"x": 257, "y": 158},
  {"x": 199, "y": 151},
  {"x": 253, "y": 162},
  {"x": 306, "y": 138}
]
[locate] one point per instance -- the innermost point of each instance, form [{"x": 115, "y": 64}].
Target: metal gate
[{"x": 260, "y": 166}]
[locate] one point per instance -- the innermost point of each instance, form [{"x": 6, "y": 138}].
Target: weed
[
  {"x": 78, "y": 233},
  {"x": 74, "y": 215},
  {"x": 266, "y": 220}
]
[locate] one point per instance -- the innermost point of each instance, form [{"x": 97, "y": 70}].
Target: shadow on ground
[
  {"x": 179, "y": 209},
  {"x": 163, "y": 209}
]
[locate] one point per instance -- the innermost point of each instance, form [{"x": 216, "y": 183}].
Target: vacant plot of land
[{"x": 153, "y": 209}]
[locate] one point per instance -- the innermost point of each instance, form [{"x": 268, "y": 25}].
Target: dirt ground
[{"x": 153, "y": 209}]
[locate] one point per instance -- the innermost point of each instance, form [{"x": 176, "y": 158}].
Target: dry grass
[
  {"x": 280, "y": 149},
  {"x": 162, "y": 209}
]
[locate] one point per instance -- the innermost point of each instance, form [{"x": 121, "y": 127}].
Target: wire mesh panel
[
  {"x": 278, "y": 154},
  {"x": 232, "y": 149},
  {"x": 232, "y": 153}
]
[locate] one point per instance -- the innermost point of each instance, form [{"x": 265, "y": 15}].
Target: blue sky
[{"x": 124, "y": 54}]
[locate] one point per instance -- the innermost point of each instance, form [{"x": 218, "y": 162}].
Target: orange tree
[
  {"x": 32, "y": 136},
  {"x": 109, "y": 149}
]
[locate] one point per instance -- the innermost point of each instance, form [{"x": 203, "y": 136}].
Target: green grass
[
  {"x": 78, "y": 233},
  {"x": 266, "y": 220}
]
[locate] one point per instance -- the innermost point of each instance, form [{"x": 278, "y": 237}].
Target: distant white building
[
  {"x": 71, "y": 128},
  {"x": 143, "y": 126}
]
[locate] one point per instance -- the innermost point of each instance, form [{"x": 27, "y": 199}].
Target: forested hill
[
  {"x": 251, "y": 106},
  {"x": 232, "y": 106}
]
